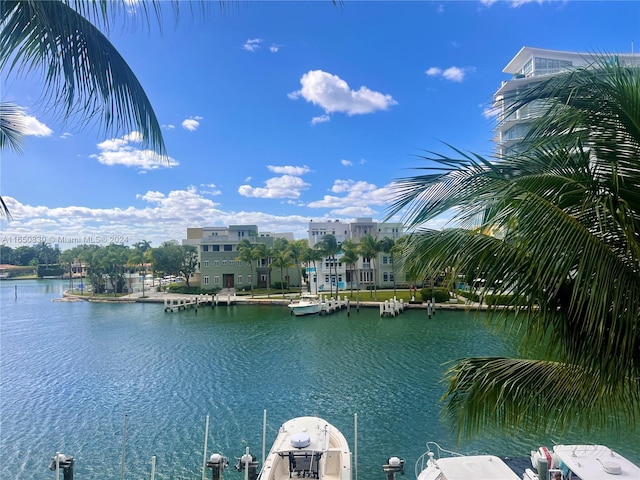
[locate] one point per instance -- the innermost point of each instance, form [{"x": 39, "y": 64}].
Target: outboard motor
[
  {"x": 394, "y": 465},
  {"x": 248, "y": 462},
  {"x": 64, "y": 462},
  {"x": 217, "y": 463}
]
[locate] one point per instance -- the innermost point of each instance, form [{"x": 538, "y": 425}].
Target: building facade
[
  {"x": 531, "y": 66},
  {"x": 326, "y": 276},
  {"x": 219, "y": 266}
]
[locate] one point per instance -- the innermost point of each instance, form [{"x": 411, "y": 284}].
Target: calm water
[{"x": 70, "y": 372}]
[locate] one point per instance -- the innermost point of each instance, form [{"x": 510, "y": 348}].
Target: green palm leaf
[
  {"x": 556, "y": 226},
  {"x": 84, "y": 74}
]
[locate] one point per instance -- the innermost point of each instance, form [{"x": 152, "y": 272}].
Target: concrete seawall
[{"x": 159, "y": 297}]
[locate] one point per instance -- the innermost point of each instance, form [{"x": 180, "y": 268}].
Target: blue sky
[{"x": 278, "y": 113}]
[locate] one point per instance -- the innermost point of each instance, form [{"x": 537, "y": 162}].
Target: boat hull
[{"x": 305, "y": 309}]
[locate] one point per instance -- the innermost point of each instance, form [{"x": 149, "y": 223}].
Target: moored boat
[
  {"x": 462, "y": 467},
  {"x": 308, "y": 447},
  {"x": 307, "y": 304},
  {"x": 586, "y": 462}
]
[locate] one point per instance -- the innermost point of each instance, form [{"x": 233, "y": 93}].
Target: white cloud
[
  {"x": 168, "y": 126},
  {"x": 513, "y": 3},
  {"x": 333, "y": 94},
  {"x": 66, "y": 135},
  {"x": 289, "y": 169},
  {"x": 210, "y": 189},
  {"x": 125, "y": 151},
  {"x": 346, "y": 163},
  {"x": 286, "y": 186},
  {"x": 454, "y": 74},
  {"x": 252, "y": 44},
  {"x": 191, "y": 123},
  {"x": 158, "y": 217},
  {"x": 274, "y": 48},
  {"x": 352, "y": 194},
  {"x": 33, "y": 126},
  {"x": 320, "y": 119}
]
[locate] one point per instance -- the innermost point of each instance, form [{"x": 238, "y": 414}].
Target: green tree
[
  {"x": 350, "y": 257},
  {"x": 329, "y": 247},
  {"x": 310, "y": 256},
  {"x": 369, "y": 249},
  {"x": 296, "y": 249},
  {"x": 264, "y": 254},
  {"x": 189, "y": 262},
  {"x": 557, "y": 227},
  {"x": 7, "y": 255},
  {"x": 386, "y": 245},
  {"x": 168, "y": 258},
  {"x": 247, "y": 253},
  {"x": 282, "y": 258}
]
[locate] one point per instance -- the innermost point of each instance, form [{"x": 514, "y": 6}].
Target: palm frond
[
  {"x": 556, "y": 226},
  {"x": 489, "y": 394},
  {"x": 83, "y": 71}
]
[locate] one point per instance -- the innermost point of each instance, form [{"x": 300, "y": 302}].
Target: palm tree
[
  {"x": 329, "y": 247},
  {"x": 264, "y": 253},
  {"x": 312, "y": 256},
  {"x": 296, "y": 249},
  {"x": 369, "y": 249},
  {"x": 557, "y": 227},
  {"x": 386, "y": 245},
  {"x": 247, "y": 253},
  {"x": 282, "y": 259},
  {"x": 350, "y": 258}
]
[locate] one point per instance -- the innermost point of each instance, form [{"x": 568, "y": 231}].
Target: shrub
[{"x": 440, "y": 295}]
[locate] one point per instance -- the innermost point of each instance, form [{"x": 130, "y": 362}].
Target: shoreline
[{"x": 160, "y": 297}]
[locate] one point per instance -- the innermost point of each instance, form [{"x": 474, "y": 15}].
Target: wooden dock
[
  {"x": 195, "y": 301},
  {"x": 392, "y": 308},
  {"x": 333, "y": 305}
]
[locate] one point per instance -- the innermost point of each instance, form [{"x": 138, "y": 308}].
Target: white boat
[
  {"x": 440, "y": 464},
  {"x": 308, "y": 447},
  {"x": 586, "y": 462},
  {"x": 307, "y": 304}
]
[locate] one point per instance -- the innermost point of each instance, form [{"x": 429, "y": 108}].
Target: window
[
  {"x": 239, "y": 263},
  {"x": 239, "y": 279},
  {"x": 215, "y": 248},
  {"x": 385, "y": 277},
  {"x": 224, "y": 261},
  {"x": 206, "y": 279},
  {"x": 216, "y": 279},
  {"x": 216, "y": 263},
  {"x": 231, "y": 262},
  {"x": 205, "y": 248},
  {"x": 385, "y": 260},
  {"x": 249, "y": 279},
  {"x": 228, "y": 248},
  {"x": 206, "y": 263}
]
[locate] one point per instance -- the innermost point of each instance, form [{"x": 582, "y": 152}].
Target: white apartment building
[
  {"x": 325, "y": 277},
  {"x": 530, "y": 66}
]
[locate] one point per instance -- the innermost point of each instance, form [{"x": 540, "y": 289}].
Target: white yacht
[
  {"x": 307, "y": 304},
  {"x": 584, "y": 462},
  {"x": 308, "y": 447}
]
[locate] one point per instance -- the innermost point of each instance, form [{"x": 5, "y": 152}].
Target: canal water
[{"x": 71, "y": 371}]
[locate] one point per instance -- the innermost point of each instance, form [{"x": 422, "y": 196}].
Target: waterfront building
[
  {"x": 529, "y": 67},
  {"x": 219, "y": 266},
  {"x": 366, "y": 273}
]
